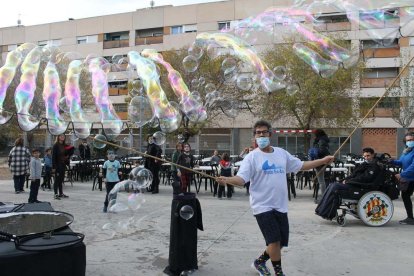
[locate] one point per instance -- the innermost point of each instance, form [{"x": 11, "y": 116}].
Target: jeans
[
  {"x": 19, "y": 182},
  {"x": 34, "y": 190},
  {"x": 320, "y": 171},
  {"x": 406, "y": 197}
]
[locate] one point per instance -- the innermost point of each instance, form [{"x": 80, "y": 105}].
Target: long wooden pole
[{"x": 161, "y": 160}]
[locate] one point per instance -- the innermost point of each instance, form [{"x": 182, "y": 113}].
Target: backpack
[{"x": 313, "y": 153}]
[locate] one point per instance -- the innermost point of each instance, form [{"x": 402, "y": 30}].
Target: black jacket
[
  {"x": 323, "y": 144},
  {"x": 364, "y": 173},
  {"x": 156, "y": 151},
  {"x": 84, "y": 152}
]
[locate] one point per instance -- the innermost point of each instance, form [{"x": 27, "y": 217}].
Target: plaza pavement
[{"x": 231, "y": 239}]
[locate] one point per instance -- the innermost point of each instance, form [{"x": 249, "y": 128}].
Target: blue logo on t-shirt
[{"x": 271, "y": 169}]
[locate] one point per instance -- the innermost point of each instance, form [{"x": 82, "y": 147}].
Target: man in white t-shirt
[{"x": 266, "y": 168}]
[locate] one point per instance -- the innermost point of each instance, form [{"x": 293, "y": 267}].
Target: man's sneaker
[
  {"x": 408, "y": 221},
  {"x": 63, "y": 195},
  {"x": 261, "y": 268},
  {"x": 57, "y": 197},
  {"x": 105, "y": 209}
]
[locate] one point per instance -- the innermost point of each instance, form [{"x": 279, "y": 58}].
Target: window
[
  {"x": 176, "y": 29},
  {"x": 376, "y": 19},
  {"x": 150, "y": 32},
  {"x": 378, "y": 73},
  {"x": 225, "y": 25},
  {"x": 11, "y": 47},
  {"x": 116, "y": 36},
  {"x": 43, "y": 43},
  {"x": 192, "y": 28},
  {"x": 87, "y": 39},
  {"x": 120, "y": 107},
  {"x": 333, "y": 18}
]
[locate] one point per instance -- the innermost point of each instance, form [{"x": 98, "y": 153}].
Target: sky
[{"x": 47, "y": 11}]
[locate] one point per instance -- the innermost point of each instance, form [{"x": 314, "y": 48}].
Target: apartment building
[{"x": 166, "y": 27}]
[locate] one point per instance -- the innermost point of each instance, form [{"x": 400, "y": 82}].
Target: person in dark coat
[
  {"x": 364, "y": 173},
  {"x": 186, "y": 159},
  {"x": 84, "y": 150},
  {"x": 61, "y": 153},
  {"x": 322, "y": 143},
  {"x": 152, "y": 164}
]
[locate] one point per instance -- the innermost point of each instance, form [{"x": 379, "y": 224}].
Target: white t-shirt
[{"x": 267, "y": 175}]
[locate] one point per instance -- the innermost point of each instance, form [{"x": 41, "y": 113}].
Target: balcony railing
[
  {"x": 117, "y": 91},
  {"x": 115, "y": 44},
  {"x": 381, "y": 52},
  {"x": 378, "y": 83},
  {"x": 149, "y": 40}
]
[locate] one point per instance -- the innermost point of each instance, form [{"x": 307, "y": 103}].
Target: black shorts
[{"x": 274, "y": 226}]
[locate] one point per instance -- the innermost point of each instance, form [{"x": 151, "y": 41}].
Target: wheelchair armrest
[{"x": 360, "y": 184}]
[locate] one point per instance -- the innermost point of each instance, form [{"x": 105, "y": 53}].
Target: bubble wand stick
[{"x": 162, "y": 160}]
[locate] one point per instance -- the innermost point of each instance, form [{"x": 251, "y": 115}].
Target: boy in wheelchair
[{"x": 365, "y": 175}]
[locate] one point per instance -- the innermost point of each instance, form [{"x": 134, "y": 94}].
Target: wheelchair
[{"x": 370, "y": 202}]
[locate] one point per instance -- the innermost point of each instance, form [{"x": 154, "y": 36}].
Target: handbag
[{"x": 403, "y": 185}]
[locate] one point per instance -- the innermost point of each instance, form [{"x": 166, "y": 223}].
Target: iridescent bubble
[
  {"x": 244, "y": 82},
  {"x": 137, "y": 85},
  {"x": 280, "y": 72},
  {"x": 5, "y": 116},
  {"x": 154, "y": 123},
  {"x": 210, "y": 87},
  {"x": 135, "y": 201},
  {"x": 140, "y": 111},
  {"x": 143, "y": 178},
  {"x": 195, "y": 83},
  {"x": 230, "y": 77},
  {"x": 212, "y": 50},
  {"x": 201, "y": 81},
  {"x": 190, "y": 64},
  {"x": 196, "y": 51},
  {"x": 228, "y": 65},
  {"x": 99, "y": 141},
  {"x": 292, "y": 88},
  {"x": 196, "y": 95},
  {"x": 181, "y": 138},
  {"x": 116, "y": 58},
  {"x": 159, "y": 138},
  {"x": 123, "y": 197},
  {"x": 63, "y": 106},
  {"x": 186, "y": 212}
]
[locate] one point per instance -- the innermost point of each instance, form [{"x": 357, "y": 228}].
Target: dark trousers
[
  {"x": 47, "y": 177},
  {"x": 109, "y": 186},
  {"x": 176, "y": 182},
  {"x": 34, "y": 190},
  {"x": 406, "y": 197},
  {"x": 221, "y": 191},
  {"x": 19, "y": 182},
  {"x": 155, "y": 178},
  {"x": 329, "y": 203},
  {"x": 185, "y": 181},
  {"x": 59, "y": 178}
]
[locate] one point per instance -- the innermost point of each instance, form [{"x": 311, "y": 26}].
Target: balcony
[
  {"x": 122, "y": 115},
  {"x": 149, "y": 40},
  {"x": 117, "y": 91},
  {"x": 381, "y": 52},
  {"x": 109, "y": 44},
  {"x": 378, "y": 82},
  {"x": 333, "y": 27}
]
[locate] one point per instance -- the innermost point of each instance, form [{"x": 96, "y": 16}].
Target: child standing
[
  {"x": 35, "y": 175},
  {"x": 48, "y": 169},
  {"x": 225, "y": 170},
  {"x": 186, "y": 159},
  {"x": 111, "y": 173}
]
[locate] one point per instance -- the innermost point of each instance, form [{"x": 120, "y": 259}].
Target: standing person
[
  {"x": 84, "y": 150},
  {"x": 244, "y": 152},
  {"x": 322, "y": 143},
  {"x": 225, "y": 170},
  {"x": 186, "y": 159},
  {"x": 215, "y": 159},
  {"x": 48, "y": 169},
  {"x": 111, "y": 173},
  {"x": 152, "y": 164},
  {"x": 247, "y": 184},
  {"x": 266, "y": 168},
  {"x": 35, "y": 176},
  {"x": 176, "y": 180},
  {"x": 59, "y": 161},
  {"x": 19, "y": 159},
  {"x": 406, "y": 161}
]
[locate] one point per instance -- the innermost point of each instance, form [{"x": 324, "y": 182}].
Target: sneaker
[
  {"x": 63, "y": 196},
  {"x": 17, "y": 192},
  {"x": 261, "y": 268},
  {"x": 407, "y": 221},
  {"x": 37, "y": 201},
  {"x": 105, "y": 209},
  {"x": 57, "y": 197}
]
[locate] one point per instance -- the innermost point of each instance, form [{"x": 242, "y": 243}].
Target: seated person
[{"x": 364, "y": 173}]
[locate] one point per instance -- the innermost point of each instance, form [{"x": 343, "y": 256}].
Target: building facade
[{"x": 172, "y": 27}]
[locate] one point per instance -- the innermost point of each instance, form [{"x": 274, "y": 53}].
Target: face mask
[
  {"x": 263, "y": 142},
  {"x": 410, "y": 144}
]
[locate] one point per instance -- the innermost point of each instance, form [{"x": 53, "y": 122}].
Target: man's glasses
[{"x": 260, "y": 132}]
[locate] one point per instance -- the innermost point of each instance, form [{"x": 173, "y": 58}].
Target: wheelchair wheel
[
  {"x": 341, "y": 220},
  {"x": 375, "y": 208}
]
